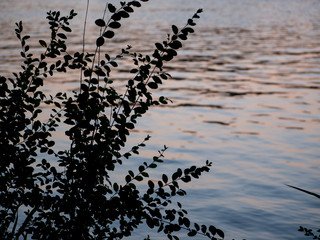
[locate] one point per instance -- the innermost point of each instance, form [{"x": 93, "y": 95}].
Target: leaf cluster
[
  {"x": 309, "y": 233},
  {"x": 76, "y": 198}
]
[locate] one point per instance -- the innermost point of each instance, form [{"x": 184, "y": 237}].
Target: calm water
[{"x": 245, "y": 96}]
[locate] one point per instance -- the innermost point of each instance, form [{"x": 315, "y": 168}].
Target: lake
[{"x": 245, "y": 95}]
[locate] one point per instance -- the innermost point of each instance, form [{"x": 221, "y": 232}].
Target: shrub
[
  {"x": 307, "y": 231},
  {"x": 77, "y": 199}
]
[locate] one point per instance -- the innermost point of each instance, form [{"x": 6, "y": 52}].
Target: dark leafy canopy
[
  {"x": 308, "y": 232},
  {"x": 77, "y": 199}
]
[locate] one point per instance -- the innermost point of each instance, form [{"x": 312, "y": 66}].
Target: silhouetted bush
[{"x": 74, "y": 197}]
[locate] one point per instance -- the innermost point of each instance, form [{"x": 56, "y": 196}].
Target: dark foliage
[
  {"x": 77, "y": 199},
  {"x": 308, "y": 232}
]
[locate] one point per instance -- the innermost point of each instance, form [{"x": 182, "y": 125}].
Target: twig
[
  {"x": 302, "y": 190},
  {"x": 83, "y": 37}
]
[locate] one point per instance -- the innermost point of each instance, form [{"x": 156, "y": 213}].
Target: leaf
[
  {"x": 100, "y": 73},
  {"x": 134, "y": 70},
  {"x": 114, "y": 25},
  {"x": 204, "y": 228},
  {"x": 62, "y": 35},
  {"x": 152, "y": 85},
  {"x": 65, "y": 28},
  {"x": 195, "y": 16},
  {"x": 113, "y": 63},
  {"x": 151, "y": 184},
  {"x": 192, "y": 233},
  {"x": 43, "y": 43},
  {"x": 139, "y": 178},
  {"x": 197, "y": 227},
  {"x": 174, "y": 37},
  {"x": 43, "y": 149},
  {"x": 58, "y": 63},
  {"x": 108, "y": 34},
  {"x": 116, "y": 17},
  {"x": 128, "y": 9},
  {"x": 186, "y": 222},
  {"x": 100, "y": 22},
  {"x": 87, "y": 72},
  {"x": 136, "y": 4},
  {"x": 128, "y": 178},
  {"x": 175, "y": 30},
  {"x": 152, "y": 165},
  {"x": 162, "y": 100},
  {"x": 160, "y": 228},
  {"x": 26, "y": 37},
  {"x": 160, "y": 183},
  {"x": 150, "y": 222},
  {"x": 130, "y": 125},
  {"x": 115, "y": 187},
  {"x": 42, "y": 65},
  {"x": 145, "y": 174},
  {"x": 111, "y": 8},
  {"x": 175, "y": 176},
  {"x": 159, "y": 46},
  {"x": 124, "y": 14},
  {"x": 172, "y": 52},
  {"x": 186, "y": 179},
  {"x": 164, "y": 76},
  {"x": 159, "y": 64},
  {"x": 220, "y": 233},
  {"x": 156, "y": 54},
  {"x": 175, "y": 44},
  {"x": 164, "y": 178},
  {"x": 57, "y": 104},
  {"x": 167, "y": 57},
  {"x": 141, "y": 168},
  {"x": 157, "y": 79},
  {"x": 100, "y": 41},
  {"x": 182, "y": 36},
  {"x": 213, "y": 230},
  {"x": 191, "y": 22},
  {"x": 187, "y": 30}
]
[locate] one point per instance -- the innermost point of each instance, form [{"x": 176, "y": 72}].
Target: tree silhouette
[{"x": 78, "y": 199}]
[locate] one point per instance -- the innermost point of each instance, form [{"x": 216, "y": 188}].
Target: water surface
[{"x": 245, "y": 94}]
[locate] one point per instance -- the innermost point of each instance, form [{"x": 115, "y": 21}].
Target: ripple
[{"x": 218, "y": 122}]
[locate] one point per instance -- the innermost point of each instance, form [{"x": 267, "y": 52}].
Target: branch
[
  {"x": 302, "y": 190},
  {"x": 21, "y": 229}
]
